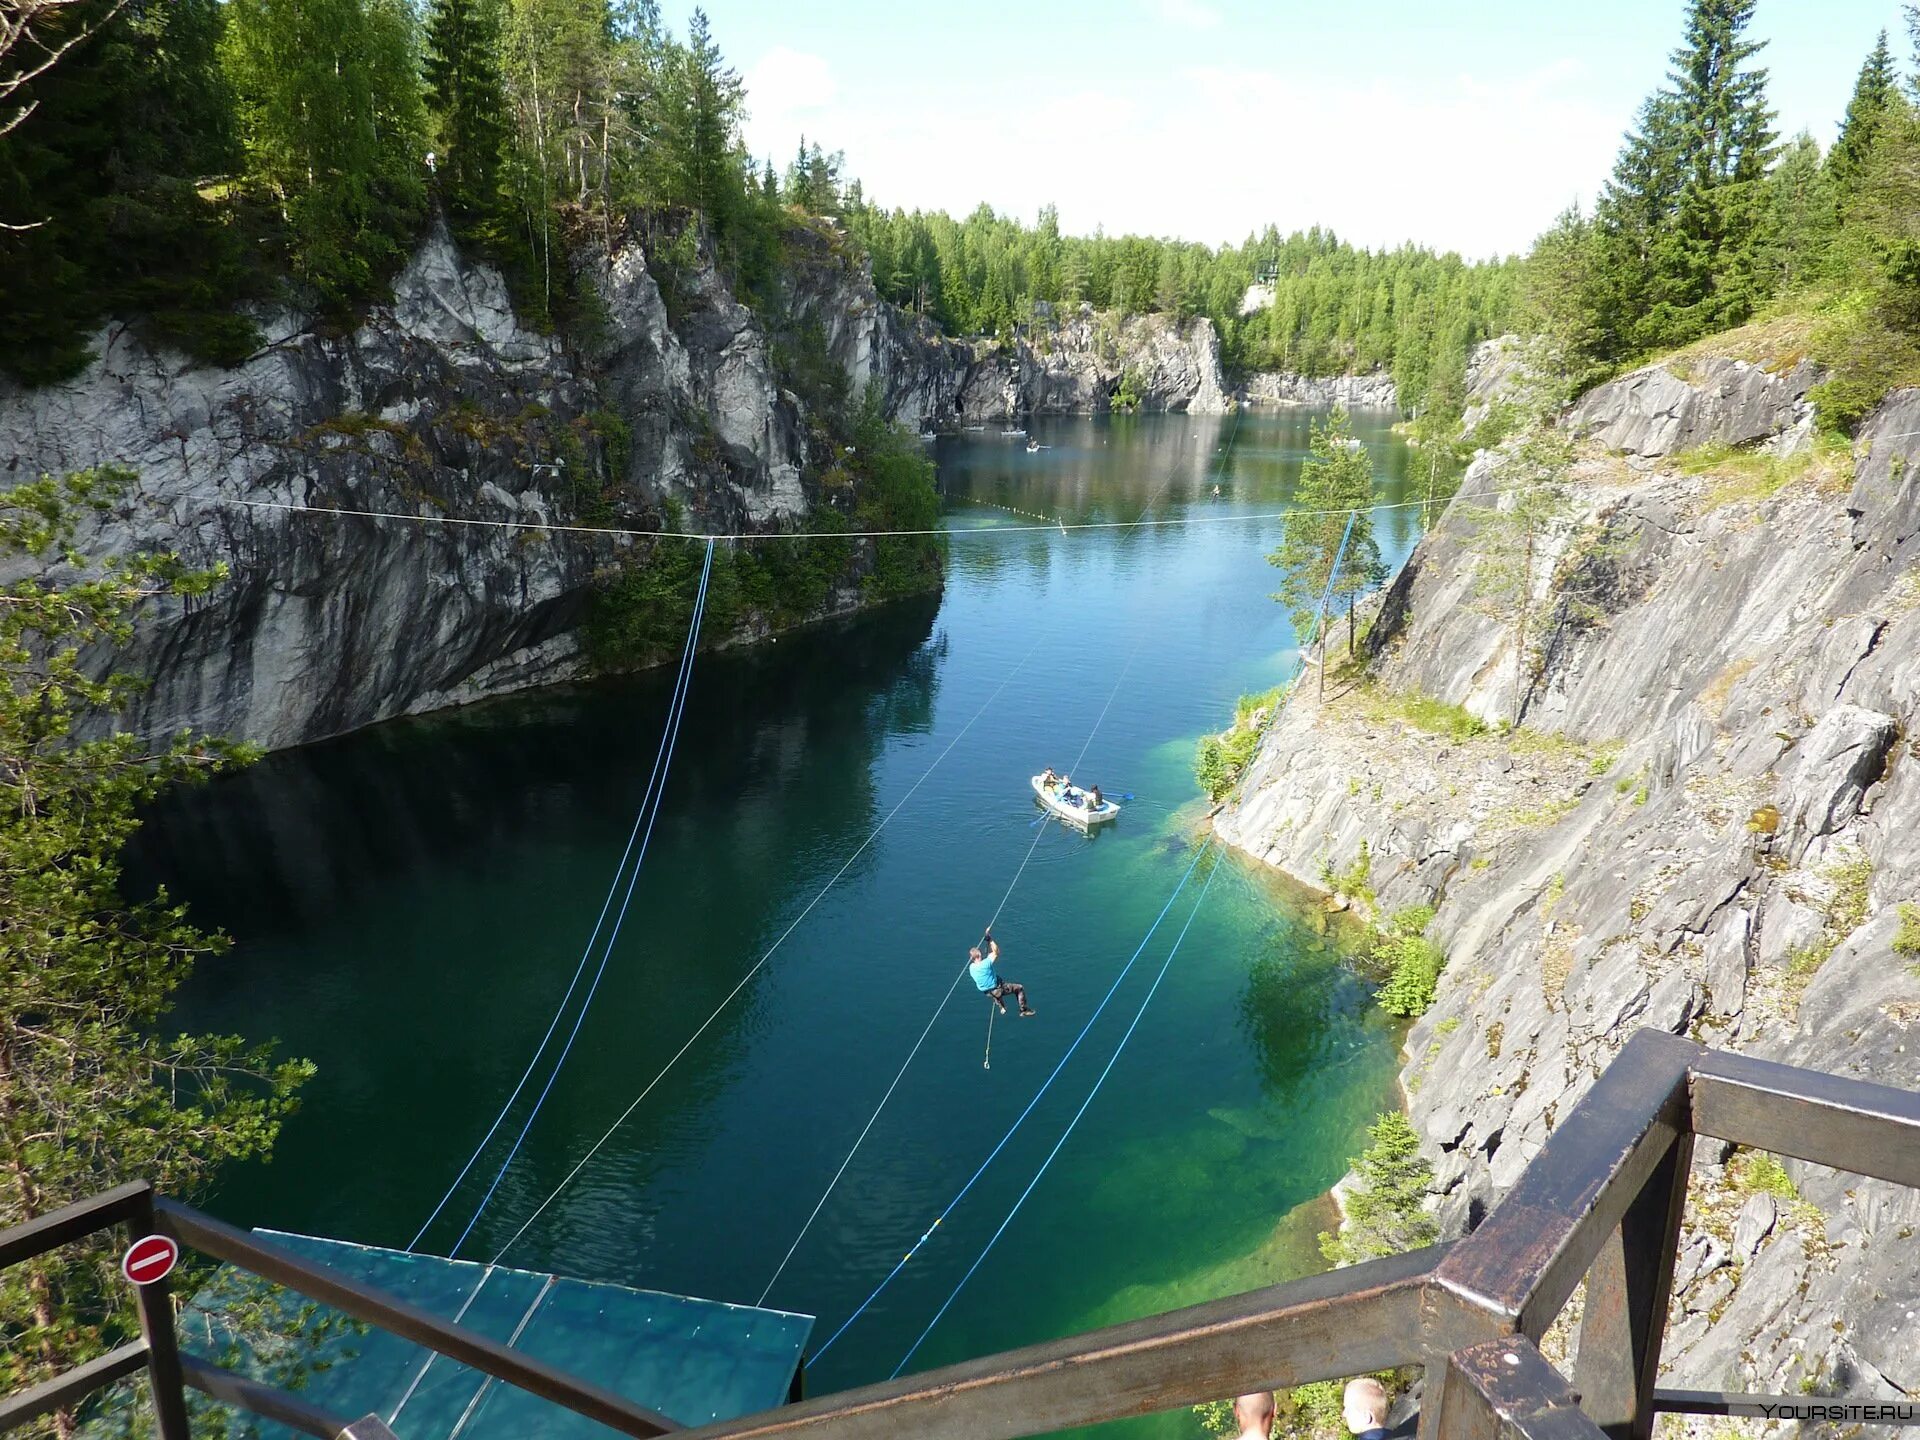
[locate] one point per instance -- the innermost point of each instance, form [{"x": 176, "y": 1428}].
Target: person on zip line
[{"x": 986, "y": 978}]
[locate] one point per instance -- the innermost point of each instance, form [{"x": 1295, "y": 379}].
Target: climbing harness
[
  {"x": 1100, "y": 1080},
  {"x": 767, "y": 955}
]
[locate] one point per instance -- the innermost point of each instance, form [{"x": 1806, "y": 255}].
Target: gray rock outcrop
[
  {"x": 1373, "y": 391},
  {"x": 1703, "y": 823},
  {"x": 443, "y": 407},
  {"x": 1676, "y": 406},
  {"x": 1077, "y": 362},
  {"x": 440, "y": 405}
]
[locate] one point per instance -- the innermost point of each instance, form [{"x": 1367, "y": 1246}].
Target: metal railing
[{"x": 1601, "y": 1203}]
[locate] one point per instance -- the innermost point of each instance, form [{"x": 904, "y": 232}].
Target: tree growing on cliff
[
  {"x": 1386, "y": 1210},
  {"x": 1330, "y": 525},
  {"x": 1675, "y": 249},
  {"x": 334, "y": 127},
  {"x": 102, "y": 210},
  {"x": 1875, "y": 91},
  {"x": 1515, "y": 521},
  {"x": 468, "y": 104},
  {"x": 91, "y": 1092}
]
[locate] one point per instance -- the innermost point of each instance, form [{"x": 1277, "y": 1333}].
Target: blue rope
[
  {"x": 765, "y": 956},
  {"x": 656, "y": 794},
  {"x": 944, "y": 999},
  {"x": 1064, "y": 1134},
  {"x": 1044, "y": 1087},
  {"x": 586, "y": 951}
]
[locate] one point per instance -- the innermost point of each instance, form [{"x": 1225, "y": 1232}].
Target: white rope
[
  {"x": 758, "y": 964},
  {"x": 986, "y": 1061},
  {"x": 617, "y": 532}
]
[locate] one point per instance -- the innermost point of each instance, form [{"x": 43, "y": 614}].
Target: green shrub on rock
[{"x": 1411, "y": 961}]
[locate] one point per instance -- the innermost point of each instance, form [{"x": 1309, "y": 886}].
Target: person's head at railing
[
  {"x": 1254, "y": 1415},
  {"x": 1365, "y": 1407}
]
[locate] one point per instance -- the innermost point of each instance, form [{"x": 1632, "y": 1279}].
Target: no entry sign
[{"x": 149, "y": 1258}]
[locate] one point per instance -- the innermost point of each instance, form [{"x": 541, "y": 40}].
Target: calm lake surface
[{"x": 408, "y": 904}]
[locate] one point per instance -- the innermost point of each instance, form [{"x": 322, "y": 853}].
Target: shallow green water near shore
[{"x": 409, "y": 902}]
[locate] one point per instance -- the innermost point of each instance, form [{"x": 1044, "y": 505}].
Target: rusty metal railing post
[
  {"x": 155, "y": 1303},
  {"x": 1505, "y": 1390},
  {"x": 1626, "y": 1312}
]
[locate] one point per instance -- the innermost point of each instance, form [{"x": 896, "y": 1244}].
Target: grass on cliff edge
[
  {"x": 1421, "y": 711},
  {"x": 1865, "y": 357},
  {"x": 1751, "y": 476},
  {"x": 1220, "y": 760}
]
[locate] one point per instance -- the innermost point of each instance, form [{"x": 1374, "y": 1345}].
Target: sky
[{"x": 1460, "y": 124}]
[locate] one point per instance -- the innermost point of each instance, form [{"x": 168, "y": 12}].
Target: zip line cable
[
  {"x": 619, "y": 919},
  {"x": 1319, "y": 618},
  {"x": 793, "y": 925},
  {"x": 992, "y": 1009},
  {"x": 646, "y": 799},
  {"x": 1052, "y": 1154},
  {"x": 1063, "y": 526},
  {"x": 1045, "y": 1085},
  {"x": 1319, "y": 624}
]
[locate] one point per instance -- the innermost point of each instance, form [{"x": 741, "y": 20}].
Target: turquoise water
[{"x": 409, "y": 902}]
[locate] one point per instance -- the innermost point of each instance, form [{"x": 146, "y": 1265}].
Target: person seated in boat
[
  {"x": 983, "y": 968},
  {"x": 1094, "y": 798},
  {"x": 1048, "y": 779}
]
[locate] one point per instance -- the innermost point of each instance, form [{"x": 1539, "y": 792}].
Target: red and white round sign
[{"x": 149, "y": 1258}]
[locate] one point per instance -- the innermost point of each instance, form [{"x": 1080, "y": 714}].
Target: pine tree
[
  {"x": 468, "y": 102},
  {"x": 94, "y": 1089},
  {"x": 1335, "y": 485},
  {"x": 1516, "y": 520},
  {"x": 1874, "y": 91}
]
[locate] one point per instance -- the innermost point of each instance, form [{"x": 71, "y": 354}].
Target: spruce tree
[
  {"x": 469, "y": 107},
  {"x": 1876, "y": 88},
  {"x": 1803, "y": 215},
  {"x": 100, "y": 191},
  {"x": 333, "y": 124},
  {"x": 1706, "y": 259},
  {"x": 707, "y": 166}
]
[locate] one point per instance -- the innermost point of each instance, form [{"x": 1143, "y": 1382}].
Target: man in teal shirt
[{"x": 983, "y": 969}]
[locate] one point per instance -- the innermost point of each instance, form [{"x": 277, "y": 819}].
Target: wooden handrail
[
  {"x": 410, "y": 1322},
  {"x": 1601, "y": 1202}
]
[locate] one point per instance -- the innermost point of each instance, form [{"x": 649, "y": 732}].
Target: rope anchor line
[{"x": 642, "y": 834}]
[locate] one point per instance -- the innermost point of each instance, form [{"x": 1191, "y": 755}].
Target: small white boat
[{"x": 1070, "y": 803}]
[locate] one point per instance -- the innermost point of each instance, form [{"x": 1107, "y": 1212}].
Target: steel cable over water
[
  {"x": 1045, "y": 1085},
  {"x": 1100, "y": 1080},
  {"x": 741, "y": 984},
  {"x": 1065, "y": 527},
  {"x": 648, "y": 801},
  {"x": 940, "y": 1009},
  {"x": 1326, "y": 596}
]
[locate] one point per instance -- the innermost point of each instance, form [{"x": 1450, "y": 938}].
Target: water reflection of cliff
[
  {"x": 295, "y": 836},
  {"x": 1114, "y": 470}
]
